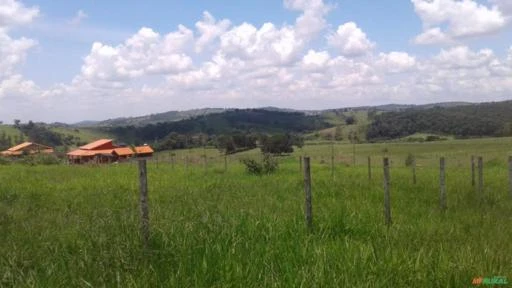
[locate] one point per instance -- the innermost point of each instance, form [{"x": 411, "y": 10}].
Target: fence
[{"x": 305, "y": 168}]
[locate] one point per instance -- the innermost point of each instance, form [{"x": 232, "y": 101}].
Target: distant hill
[
  {"x": 472, "y": 120},
  {"x": 231, "y": 121},
  {"x": 172, "y": 116},
  {"x": 169, "y": 116}
]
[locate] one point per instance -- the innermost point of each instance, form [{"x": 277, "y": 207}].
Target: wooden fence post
[
  {"x": 307, "y": 191},
  {"x": 387, "y": 197},
  {"x": 332, "y": 160},
  {"x": 442, "y": 184},
  {"x": 144, "y": 208},
  {"x": 510, "y": 176},
  {"x": 480, "y": 176},
  {"x": 369, "y": 168},
  {"x": 472, "y": 170},
  {"x": 414, "y": 170}
]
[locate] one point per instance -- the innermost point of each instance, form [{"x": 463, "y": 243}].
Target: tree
[
  {"x": 277, "y": 144},
  {"x": 350, "y": 120},
  {"x": 17, "y": 123}
]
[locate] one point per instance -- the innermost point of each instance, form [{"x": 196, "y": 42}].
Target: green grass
[
  {"x": 78, "y": 226},
  {"x": 84, "y": 134},
  {"x": 9, "y": 130}
]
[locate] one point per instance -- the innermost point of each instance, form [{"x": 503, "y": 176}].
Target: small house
[
  {"x": 100, "y": 151},
  {"x": 27, "y": 148}
]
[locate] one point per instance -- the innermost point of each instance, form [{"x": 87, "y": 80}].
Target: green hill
[
  {"x": 476, "y": 120},
  {"x": 238, "y": 120}
]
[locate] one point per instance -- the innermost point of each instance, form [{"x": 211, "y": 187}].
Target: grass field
[
  {"x": 84, "y": 134},
  {"x": 78, "y": 226},
  {"x": 9, "y": 130}
]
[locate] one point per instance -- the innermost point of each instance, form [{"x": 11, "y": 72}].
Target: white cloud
[
  {"x": 433, "y": 36},
  {"x": 312, "y": 20},
  {"x": 314, "y": 60},
  {"x": 144, "y": 53},
  {"x": 217, "y": 64},
  {"x": 15, "y": 86},
  {"x": 209, "y": 29},
  {"x": 465, "y": 18},
  {"x": 396, "y": 62},
  {"x": 350, "y": 40},
  {"x": 79, "y": 17},
  {"x": 265, "y": 46},
  {"x": 463, "y": 57},
  {"x": 13, "y": 12},
  {"x": 505, "y": 6},
  {"x": 13, "y": 52}
]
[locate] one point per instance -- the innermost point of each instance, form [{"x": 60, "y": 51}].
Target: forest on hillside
[
  {"x": 486, "y": 119},
  {"x": 245, "y": 121}
]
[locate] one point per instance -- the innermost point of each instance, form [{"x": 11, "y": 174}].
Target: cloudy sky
[{"x": 90, "y": 60}]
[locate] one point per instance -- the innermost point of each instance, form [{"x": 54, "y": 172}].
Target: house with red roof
[
  {"x": 100, "y": 151},
  {"x": 27, "y": 148}
]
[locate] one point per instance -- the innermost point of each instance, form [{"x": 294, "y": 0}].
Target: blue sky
[{"x": 76, "y": 60}]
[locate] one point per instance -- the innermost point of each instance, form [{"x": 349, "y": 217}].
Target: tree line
[
  {"x": 236, "y": 128},
  {"x": 487, "y": 119}
]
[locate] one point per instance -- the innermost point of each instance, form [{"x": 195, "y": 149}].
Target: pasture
[{"x": 78, "y": 226}]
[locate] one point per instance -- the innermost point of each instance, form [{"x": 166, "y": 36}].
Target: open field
[
  {"x": 78, "y": 226},
  {"x": 9, "y": 131}
]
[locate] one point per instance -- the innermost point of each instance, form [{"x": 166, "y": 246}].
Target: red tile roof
[
  {"x": 123, "y": 151},
  {"x": 19, "y": 146},
  {"x": 146, "y": 149},
  {"x": 96, "y": 144}
]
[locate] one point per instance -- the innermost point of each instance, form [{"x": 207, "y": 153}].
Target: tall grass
[{"x": 73, "y": 226}]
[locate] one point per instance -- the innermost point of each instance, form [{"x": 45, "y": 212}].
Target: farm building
[
  {"x": 100, "y": 151},
  {"x": 104, "y": 151},
  {"x": 27, "y": 148},
  {"x": 144, "y": 151}
]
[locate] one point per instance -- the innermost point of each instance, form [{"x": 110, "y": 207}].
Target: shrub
[
  {"x": 252, "y": 166},
  {"x": 269, "y": 165},
  {"x": 432, "y": 138}
]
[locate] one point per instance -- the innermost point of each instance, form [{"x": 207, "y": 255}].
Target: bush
[
  {"x": 431, "y": 138},
  {"x": 253, "y": 167},
  {"x": 269, "y": 165}
]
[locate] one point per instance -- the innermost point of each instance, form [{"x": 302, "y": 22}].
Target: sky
[{"x": 68, "y": 61}]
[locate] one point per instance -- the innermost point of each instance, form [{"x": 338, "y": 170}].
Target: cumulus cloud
[
  {"x": 209, "y": 30},
  {"x": 463, "y": 57},
  {"x": 144, "y": 53},
  {"x": 13, "y": 13},
  {"x": 350, "y": 40},
  {"x": 396, "y": 62},
  {"x": 433, "y": 36},
  {"x": 312, "y": 20},
  {"x": 460, "y": 19},
  {"x": 217, "y": 63},
  {"x": 13, "y": 53}
]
